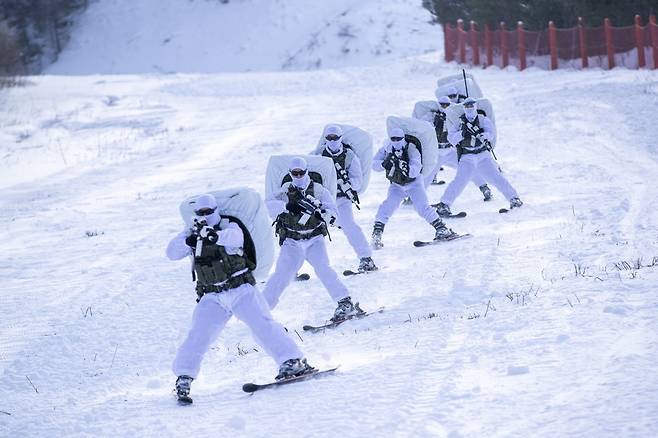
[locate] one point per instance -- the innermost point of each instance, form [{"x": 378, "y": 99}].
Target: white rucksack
[
  {"x": 444, "y": 85},
  {"x": 361, "y": 144},
  {"x": 424, "y": 108},
  {"x": 244, "y": 206},
  {"x": 320, "y": 169},
  {"x": 425, "y": 134}
]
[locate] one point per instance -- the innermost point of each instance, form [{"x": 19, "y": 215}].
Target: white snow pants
[
  {"x": 291, "y": 257},
  {"x": 484, "y": 165},
  {"x": 352, "y": 230},
  {"x": 448, "y": 157},
  {"x": 212, "y": 313},
  {"x": 396, "y": 193}
]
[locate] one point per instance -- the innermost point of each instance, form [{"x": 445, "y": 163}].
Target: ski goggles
[
  {"x": 453, "y": 96},
  {"x": 444, "y": 105},
  {"x": 396, "y": 138},
  {"x": 298, "y": 172},
  {"x": 204, "y": 211},
  {"x": 332, "y": 137}
]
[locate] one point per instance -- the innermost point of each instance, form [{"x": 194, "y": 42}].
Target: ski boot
[
  {"x": 294, "y": 368},
  {"x": 377, "y": 232},
  {"x": 407, "y": 201},
  {"x": 486, "y": 191},
  {"x": 443, "y": 232},
  {"x": 183, "y": 388},
  {"x": 443, "y": 209},
  {"x": 346, "y": 310},
  {"x": 367, "y": 265},
  {"x": 515, "y": 203}
]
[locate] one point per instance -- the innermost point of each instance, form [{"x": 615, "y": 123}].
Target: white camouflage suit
[
  {"x": 396, "y": 192},
  {"x": 215, "y": 309},
  {"x": 293, "y": 252},
  {"x": 345, "y": 213},
  {"x": 447, "y": 156},
  {"x": 481, "y": 164}
]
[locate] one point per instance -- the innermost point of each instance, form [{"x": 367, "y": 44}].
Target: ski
[
  {"x": 421, "y": 243},
  {"x": 349, "y": 272},
  {"x": 334, "y": 324},
  {"x": 438, "y": 183},
  {"x": 302, "y": 277},
  {"x": 184, "y": 400},
  {"x": 503, "y": 210},
  {"x": 253, "y": 387}
]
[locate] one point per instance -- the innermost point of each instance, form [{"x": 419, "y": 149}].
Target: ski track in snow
[{"x": 526, "y": 329}]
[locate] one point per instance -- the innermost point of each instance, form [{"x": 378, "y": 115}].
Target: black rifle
[{"x": 345, "y": 186}]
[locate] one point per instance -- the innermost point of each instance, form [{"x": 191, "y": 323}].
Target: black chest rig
[
  {"x": 300, "y": 226},
  {"x": 341, "y": 161},
  {"x": 395, "y": 174},
  {"x": 470, "y": 144},
  {"x": 216, "y": 270},
  {"x": 441, "y": 128}
]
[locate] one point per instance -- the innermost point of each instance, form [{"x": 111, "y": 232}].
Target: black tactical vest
[
  {"x": 441, "y": 129},
  {"x": 344, "y": 160},
  {"x": 397, "y": 176},
  {"x": 299, "y": 226},
  {"x": 214, "y": 268},
  {"x": 470, "y": 144}
]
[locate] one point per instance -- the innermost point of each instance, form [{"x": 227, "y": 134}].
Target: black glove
[
  {"x": 293, "y": 207},
  {"x": 318, "y": 215},
  {"x": 191, "y": 240},
  {"x": 210, "y": 235}
]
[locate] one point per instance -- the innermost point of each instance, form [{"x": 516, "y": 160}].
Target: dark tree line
[
  {"x": 33, "y": 32},
  {"x": 536, "y": 14}
]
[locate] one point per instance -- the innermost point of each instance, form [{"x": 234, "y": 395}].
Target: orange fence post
[
  {"x": 583, "y": 43},
  {"x": 503, "y": 45},
  {"x": 461, "y": 41},
  {"x": 521, "y": 38},
  {"x": 552, "y": 42},
  {"x": 474, "y": 43},
  {"x": 487, "y": 44},
  {"x": 607, "y": 28},
  {"x": 654, "y": 39},
  {"x": 447, "y": 43},
  {"x": 639, "y": 42}
]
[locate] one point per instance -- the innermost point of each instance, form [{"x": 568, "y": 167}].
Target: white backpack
[
  {"x": 361, "y": 144},
  {"x": 320, "y": 169}
]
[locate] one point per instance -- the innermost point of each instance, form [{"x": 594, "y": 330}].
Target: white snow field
[
  {"x": 543, "y": 324},
  {"x": 206, "y": 36}
]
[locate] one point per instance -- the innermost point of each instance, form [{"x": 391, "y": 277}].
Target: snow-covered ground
[{"x": 543, "y": 324}]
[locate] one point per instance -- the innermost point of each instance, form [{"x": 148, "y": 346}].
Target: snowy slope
[
  {"x": 539, "y": 325},
  {"x": 163, "y": 36}
]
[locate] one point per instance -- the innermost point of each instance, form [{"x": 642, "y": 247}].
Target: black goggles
[
  {"x": 469, "y": 105},
  {"x": 332, "y": 137},
  {"x": 204, "y": 211},
  {"x": 396, "y": 138},
  {"x": 445, "y": 105},
  {"x": 452, "y": 96},
  {"x": 298, "y": 172}
]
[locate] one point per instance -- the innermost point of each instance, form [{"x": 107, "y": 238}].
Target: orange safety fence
[{"x": 606, "y": 46}]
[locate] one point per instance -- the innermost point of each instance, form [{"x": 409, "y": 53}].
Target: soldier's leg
[{"x": 291, "y": 258}]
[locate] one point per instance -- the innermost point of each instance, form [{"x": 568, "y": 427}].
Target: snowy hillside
[
  {"x": 543, "y": 324},
  {"x": 204, "y": 36}
]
